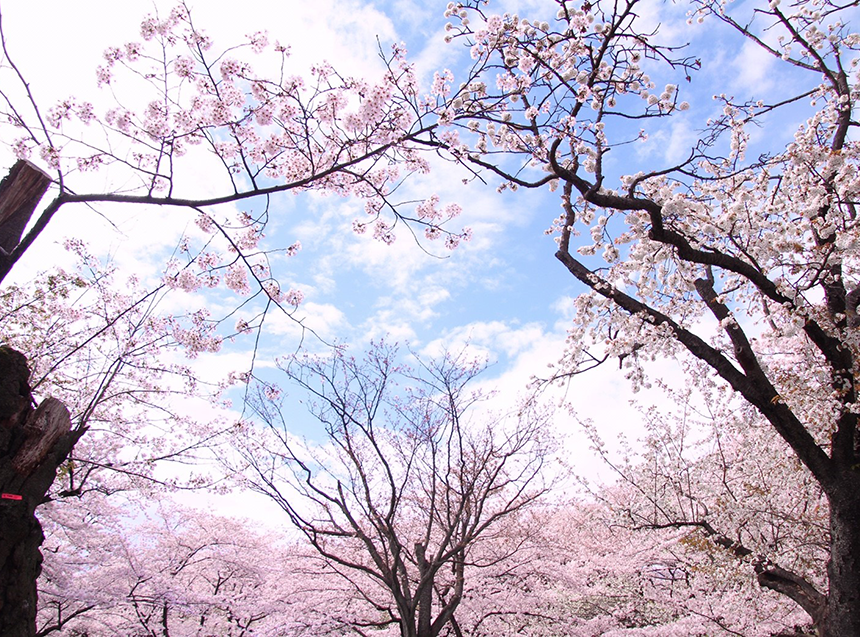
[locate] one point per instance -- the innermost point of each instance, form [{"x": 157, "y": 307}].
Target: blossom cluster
[{"x": 322, "y": 131}]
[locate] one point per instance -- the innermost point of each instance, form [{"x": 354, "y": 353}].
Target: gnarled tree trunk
[{"x": 33, "y": 444}]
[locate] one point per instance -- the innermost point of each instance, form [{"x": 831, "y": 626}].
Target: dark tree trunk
[
  {"x": 33, "y": 444},
  {"x": 20, "y": 193},
  {"x": 20, "y": 565},
  {"x": 842, "y": 612},
  {"x": 425, "y": 595}
]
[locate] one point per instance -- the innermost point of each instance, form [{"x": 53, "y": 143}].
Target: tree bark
[
  {"x": 842, "y": 611},
  {"x": 33, "y": 444},
  {"x": 425, "y": 595},
  {"x": 20, "y": 193}
]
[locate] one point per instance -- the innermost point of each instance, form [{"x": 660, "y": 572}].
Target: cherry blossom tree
[
  {"x": 408, "y": 483},
  {"x": 584, "y": 568},
  {"x": 115, "y": 365},
  {"x": 180, "y": 571},
  {"x": 747, "y": 264},
  {"x": 713, "y": 492},
  {"x": 178, "y": 103},
  {"x": 521, "y": 586}
]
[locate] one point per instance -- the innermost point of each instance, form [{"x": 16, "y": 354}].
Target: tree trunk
[
  {"x": 20, "y": 193},
  {"x": 842, "y": 613},
  {"x": 425, "y": 594},
  {"x": 20, "y": 565},
  {"x": 33, "y": 444}
]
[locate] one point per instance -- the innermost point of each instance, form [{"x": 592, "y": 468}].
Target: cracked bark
[{"x": 33, "y": 444}]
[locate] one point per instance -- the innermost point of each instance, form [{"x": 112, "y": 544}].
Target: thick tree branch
[
  {"x": 768, "y": 574},
  {"x": 765, "y": 398}
]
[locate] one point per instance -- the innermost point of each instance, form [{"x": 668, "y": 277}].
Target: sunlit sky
[{"x": 504, "y": 292}]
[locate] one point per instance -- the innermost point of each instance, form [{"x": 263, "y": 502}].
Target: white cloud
[
  {"x": 326, "y": 320},
  {"x": 754, "y": 68},
  {"x": 682, "y": 140},
  {"x": 483, "y": 339}
]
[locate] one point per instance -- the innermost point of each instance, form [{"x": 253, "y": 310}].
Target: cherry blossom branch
[
  {"x": 769, "y": 574},
  {"x": 766, "y": 398}
]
